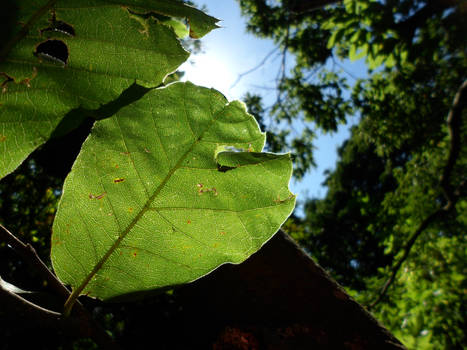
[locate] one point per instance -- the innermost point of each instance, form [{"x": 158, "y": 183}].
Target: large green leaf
[
  {"x": 161, "y": 194},
  {"x": 100, "y": 48}
]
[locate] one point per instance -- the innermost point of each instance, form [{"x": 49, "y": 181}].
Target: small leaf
[{"x": 146, "y": 206}]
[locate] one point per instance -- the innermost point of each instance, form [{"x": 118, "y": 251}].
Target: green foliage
[
  {"x": 156, "y": 199},
  {"x": 387, "y": 180},
  {"x": 170, "y": 183},
  {"x": 279, "y": 139},
  {"x": 72, "y": 56},
  {"x": 341, "y": 229}
]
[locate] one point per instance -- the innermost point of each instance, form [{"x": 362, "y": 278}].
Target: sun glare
[{"x": 210, "y": 71}]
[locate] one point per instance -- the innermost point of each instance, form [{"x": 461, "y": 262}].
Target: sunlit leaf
[
  {"x": 165, "y": 191},
  {"x": 81, "y": 53}
]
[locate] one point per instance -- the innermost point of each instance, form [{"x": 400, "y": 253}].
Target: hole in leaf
[
  {"x": 53, "y": 50},
  {"x": 224, "y": 168},
  {"x": 60, "y": 27}
]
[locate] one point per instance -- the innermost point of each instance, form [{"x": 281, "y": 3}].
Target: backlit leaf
[
  {"x": 81, "y": 53},
  {"x": 165, "y": 191}
]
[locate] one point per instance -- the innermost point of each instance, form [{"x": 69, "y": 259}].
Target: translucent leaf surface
[
  {"x": 161, "y": 194},
  {"x": 80, "y": 53}
]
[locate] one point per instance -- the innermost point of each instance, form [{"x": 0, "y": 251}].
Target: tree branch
[
  {"x": 408, "y": 27},
  {"x": 454, "y": 123},
  {"x": 452, "y": 196},
  {"x": 33, "y": 314},
  {"x": 81, "y": 322},
  {"x": 249, "y": 71},
  {"x": 28, "y": 253}
]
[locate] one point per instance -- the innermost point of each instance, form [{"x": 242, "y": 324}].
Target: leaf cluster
[{"x": 383, "y": 213}]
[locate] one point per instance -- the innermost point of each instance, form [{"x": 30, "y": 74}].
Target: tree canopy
[{"x": 392, "y": 224}]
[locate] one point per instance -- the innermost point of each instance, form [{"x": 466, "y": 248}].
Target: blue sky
[{"x": 230, "y": 51}]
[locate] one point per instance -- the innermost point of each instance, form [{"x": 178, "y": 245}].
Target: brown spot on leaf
[
  {"x": 202, "y": 189},
  {"x": 8, "y": 79},
  {"x": 118, "y": 180},
  {"x": 100, "y": 196},
  {"x": 2, "y": 138},
  {"x": 278, "y": 200}
]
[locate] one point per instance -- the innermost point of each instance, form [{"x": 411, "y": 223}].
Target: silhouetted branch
[
  {"x": 282, "y": 73},
  {"x": 34, "y": 314},
  {"x": 343, "y": 69},
  {"x": 80, "y": 323},
  {"x": 28, "y": 253},
  {"x": 408, "y": 27},
  {"x": 249, "y": 71},
  {"x": 452, "y": 196},
  {"x": 454, "y": 122}
]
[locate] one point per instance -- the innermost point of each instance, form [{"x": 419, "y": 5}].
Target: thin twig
[
  {"x": 343, "y": 69},
  {"x": 408, "y": 246},
  {"x": 454, "y": 123},
  {"x": 452, "y": 196},
  {"x": 87, "y": 326},
  {"x": 28, "y": 253},
  {"x": 249, "y": 71},
  {"x": 23, "y": 315}
]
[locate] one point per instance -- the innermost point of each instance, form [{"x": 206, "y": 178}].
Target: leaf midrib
[{"x": 76, "y": 292}]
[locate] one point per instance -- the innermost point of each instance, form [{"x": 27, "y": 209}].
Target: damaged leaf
[
  {"x": 176, "y": 217},
  {"x": 81, "y": 53}
]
